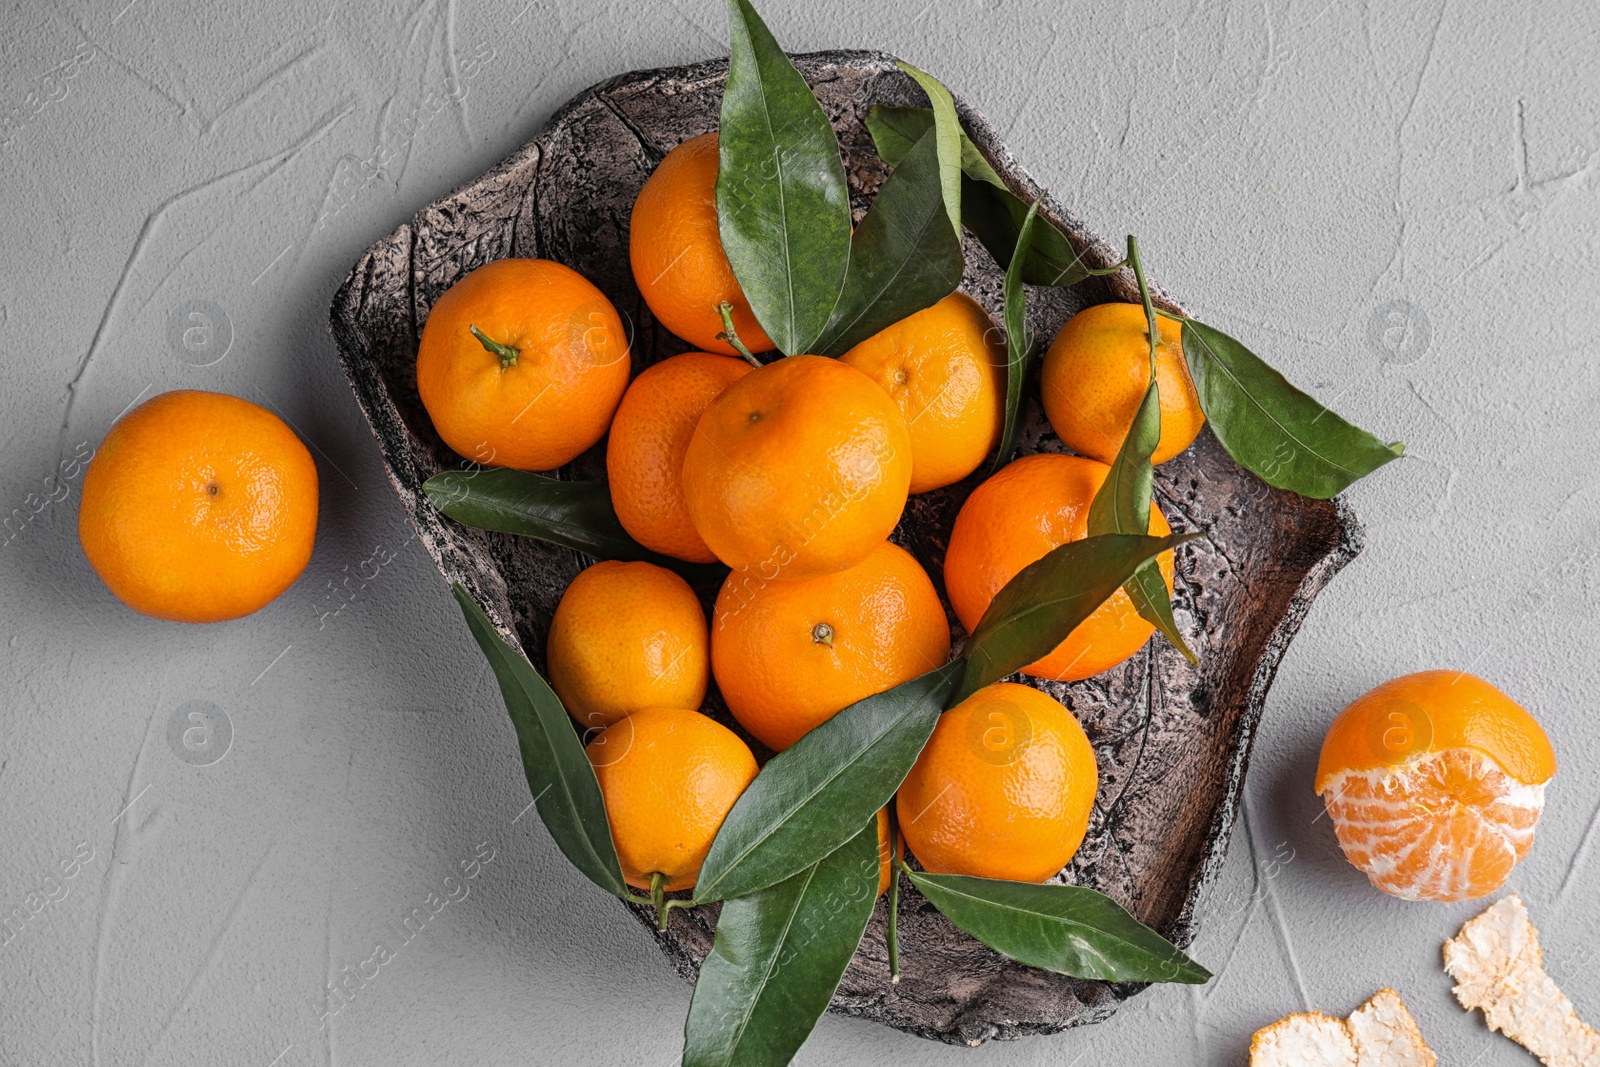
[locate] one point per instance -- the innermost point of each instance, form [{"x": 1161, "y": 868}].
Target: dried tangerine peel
[
  {"x": 1380, "y": 1033},
  {"x": 1499, "y": 970}
]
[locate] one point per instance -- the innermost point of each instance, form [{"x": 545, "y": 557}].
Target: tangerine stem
[
  {"x": 507, "y": 354},
  {"x": 1144, "y": 295},
  {"x": 730, "y": 335},
  {"x": 891, "y": 935},
  {"x": 658, "y": 897}
]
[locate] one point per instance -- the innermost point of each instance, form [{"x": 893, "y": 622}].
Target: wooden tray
[{"x": 1173, "y": 740}]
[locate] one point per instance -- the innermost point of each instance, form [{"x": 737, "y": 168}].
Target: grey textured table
[{"x": 1400, "y": 209}]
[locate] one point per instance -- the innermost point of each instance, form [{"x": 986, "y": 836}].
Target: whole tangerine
[
  {"x": 199, "y": 507},
  {"x": 521, "y": 364},
  {"x": 798, "y": 469},
  {"x": 1024, "y": 510}
]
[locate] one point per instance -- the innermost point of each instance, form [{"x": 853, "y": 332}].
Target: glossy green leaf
[
  {"x": 1123, "y": 506},
  {"x": 904, "y": 256},
  {"x": 575, "y": 515},
  {"x": 1035, "y": 611},
  {"x": 1019, "y": 341},
  {"x": 993, "y": 213},
  {"x": 811, "y": 798},
  {"x": 949, "y": 136},
  {"x": 1271, "y": 428},
  {"x": 778, "y": 956},
  {"x": 564, "y": 786},
  {"x": 1067, "y": 929},
  {"x": 783, "y": 208}
]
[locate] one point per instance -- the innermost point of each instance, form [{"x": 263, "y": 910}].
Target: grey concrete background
[{"x": 1396, "y": 203}]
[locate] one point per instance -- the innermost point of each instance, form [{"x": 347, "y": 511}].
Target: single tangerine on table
[
  {"x": 1097, "y": 371},
  {"x": 645, "y": 450},
  {"x": 521, "y": 364},
  {"x": 1434, "y": 783},
  {"x": 669, "y": 776},
  {"x": 787, "y": 656},
  {"x": 199, "y": 507},
  {"x": 1003, "y": 789},
  {"x": 627, "y": 636},
  {"x": 946, "y": 369},
  {"x": 675, "y": 249},
  {"x": 1027, "y": 508},
  {"x": 798, "y": 469}
]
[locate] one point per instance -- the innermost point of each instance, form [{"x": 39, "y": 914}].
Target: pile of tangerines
[{"x": 200, "y": 507}]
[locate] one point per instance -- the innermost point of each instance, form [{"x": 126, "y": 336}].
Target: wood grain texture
[{"x": 1173, "y": 740}]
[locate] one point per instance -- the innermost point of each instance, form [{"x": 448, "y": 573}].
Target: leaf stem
[
  {"x": 507, "y": 354},
  {"x": 892, "y": 932},
  {"x": 730, "y": 335}
]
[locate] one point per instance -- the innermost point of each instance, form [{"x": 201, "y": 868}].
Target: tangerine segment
[
  {"x": 1096, "y": 374},
  {"x": 1029, "y": 507},
  {"x": 627, "y": 636},
  {"x": 798, "y": 469},
  {"x": 649, "y": 437},
  {"x": 1430, "y": 711},
  {"x": 198, "y": 507},
  {"x": 1448, "y": 825},
  {"x": 945, "y": 366},
  {"x": 675, "y": 249},
  {"x": 669, "y": 777},
  {"x": 788, "y": 656},
  {"x": 549, "y": 391},
  {"x": 1003, "y": 789}
]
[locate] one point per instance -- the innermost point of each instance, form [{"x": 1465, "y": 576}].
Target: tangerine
[
  {"x": 1027, "y": 508},
  {"x": 676, "y": 252},
  {"x": 1434, "y": 783},
  {"x": 1003, "y": 788},
  {"x": 946, "y": 369},
  {"x": 798, "y": 469},
  {"x": 1096, "y": 374},
  {"x": 649, "y": 436},
  {"x": 198, "y": 507},
  {"x": 788, "y": 656},
  {"x": 521, "y": 364}
]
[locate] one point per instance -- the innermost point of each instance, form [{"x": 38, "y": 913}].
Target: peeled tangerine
[{"x": 1434, "y": 783}]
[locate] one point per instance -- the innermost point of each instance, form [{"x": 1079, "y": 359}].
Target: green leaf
[
  {"x": 783, "y": 208},
  {"x": 1122, "y": 506},
  {"x": 1035, "y": 611},
  {"x": 904, "y": 256},
  {"x": 811, "y": 798},
  {"x": 948, "y": 134},
  {"x": 993, "y": 213},
  {"x": 1019, "y": 342},
  {"x": 777, "y": 958},
  {"x": 1271, "y": 428},
  {"x": 1067, "y": 929},
  {"x": 560, "y": 775},
  {"x": 575, "y": 515}
]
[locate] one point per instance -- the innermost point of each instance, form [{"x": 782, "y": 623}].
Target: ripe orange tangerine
[
  {"x": 1434, "y": 783},
  {"x": 1027, "y": 508}
]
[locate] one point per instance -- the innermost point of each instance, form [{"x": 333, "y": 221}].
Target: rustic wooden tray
[{"x": 1173, "y": 740}]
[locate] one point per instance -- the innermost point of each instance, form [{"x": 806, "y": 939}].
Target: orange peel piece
[
  {"x": 1499, "y": 970},
  {"x": 1380, "y": 1033}
]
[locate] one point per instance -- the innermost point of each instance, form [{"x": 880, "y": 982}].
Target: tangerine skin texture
[
  {"x": 1453, "y": 709},
  {"x": 627, "y": 636},
  {"x": 945, "y": 367},
  {"x": 1097, "y": 371},
  {"x": 782, "y": 675},
  {"x": 669, "y": 776},
  {"x": 1003, "y": 789},
  {"x": 1027, "y": 508},
  {"x": 199, "y": 507},
  {"x": 557, "y": 399},
  {"x": 676, "y": 251},
  {"x": 799, "y": 469},
  {"x": 649, "y": 436}
]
